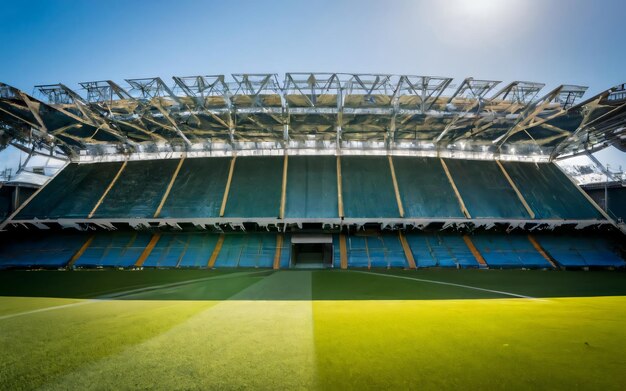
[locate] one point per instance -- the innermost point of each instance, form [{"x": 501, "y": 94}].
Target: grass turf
[{"x": 312, "y": 329}]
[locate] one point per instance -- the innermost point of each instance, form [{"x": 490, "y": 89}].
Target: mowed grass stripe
[
  {"x": 152, "y": 291},
  {"x": 236, "y": 344},
  {"x": 60, "y": 342},
  {"x": 42, "y": 346},
  {"x": 496, "y": 344}
]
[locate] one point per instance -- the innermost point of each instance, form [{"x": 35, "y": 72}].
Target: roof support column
[
  {"x": 227, "y": 189},
  {"x": 283, "y": 194},
  {"x": 148, "y": 250},
  {"x": 108, "y": 189},
  {"x": 519, "y": 194},
  {"x": 339, "y": 188},
  {"x": 407, "y": 251},
  {"x": 216, "y": 251},
  {"x": 277, "y": 254},
  {"x": 169, "y": 187},
  {"x": 456, "y": 191},
  {"x": 395, "y": 186}
]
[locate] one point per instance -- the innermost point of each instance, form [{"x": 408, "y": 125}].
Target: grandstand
[{"x": 319, "y": 171}]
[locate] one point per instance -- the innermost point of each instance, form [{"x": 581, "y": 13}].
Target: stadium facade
[{"x": 321, "y": 170}]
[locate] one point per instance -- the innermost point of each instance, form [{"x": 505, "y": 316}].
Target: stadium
[
  {"x": 219, "y": 220},
  {"x": 319, "y": 195}
]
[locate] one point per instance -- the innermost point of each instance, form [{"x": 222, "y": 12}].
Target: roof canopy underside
[{"x": 313, "y": 111}]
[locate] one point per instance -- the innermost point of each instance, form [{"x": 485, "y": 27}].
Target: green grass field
[{"x": 337, "y": 330}]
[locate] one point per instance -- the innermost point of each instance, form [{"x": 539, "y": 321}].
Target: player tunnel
[{"x": 311, "y": 251}]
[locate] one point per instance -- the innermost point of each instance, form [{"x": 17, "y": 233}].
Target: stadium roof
[{"x": 313, "y": 111}]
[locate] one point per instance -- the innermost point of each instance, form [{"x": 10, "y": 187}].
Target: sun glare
[{"x": 481, "y": 8}]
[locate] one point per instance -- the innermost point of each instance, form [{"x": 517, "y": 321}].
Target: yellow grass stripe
[
  {"x": 169, "y": 187},
  {"x": 230, "y": 178},
  {"x": 216, "y": 251},
  {"x": 146, "y": 251},
  {"x": 456, "y": 191},
  {"x": 519, "y": 194},
  {"x": 119, "y": 172}
]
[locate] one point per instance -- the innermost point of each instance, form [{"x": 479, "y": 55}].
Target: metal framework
[{"x": 342, "y": 113}]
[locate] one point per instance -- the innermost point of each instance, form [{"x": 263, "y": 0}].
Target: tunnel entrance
[{"x": 311, "y": 251}]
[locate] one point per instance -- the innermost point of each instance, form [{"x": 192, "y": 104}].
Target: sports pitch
[{"x": 326, "y": 329}]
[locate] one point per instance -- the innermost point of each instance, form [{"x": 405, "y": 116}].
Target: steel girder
[{"x": 314, "y": 111}]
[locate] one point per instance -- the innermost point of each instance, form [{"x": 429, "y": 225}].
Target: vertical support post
[
  {"x": 182, "y": 254},
  {"x": 169, "y": 187},
  {"x": 407, "y": 251},
  {"x": 283, "y": 194},
  {"x": 16, "y": 197},
  {"x": 148, "y": 250},
  {"x": 343, "y": 251},
  {"x": 479, "y": 258},
  {"x": 230, "y": 178},
  {"x": 339, "y": 188},
  {"x": 279, "y": 248},
  {"x": 80, "y": 251},
  {"x": 396, "y": 188},
  {"x": 216, "y": 252},
  {"x": 541, "y": 251},
  {"x": 108, "y": 189},
  {"x": 519, "y": 193},
  {"x": 456, "y": 191}
]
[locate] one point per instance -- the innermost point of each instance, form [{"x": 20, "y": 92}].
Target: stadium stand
[
  {"x": 509, "y": 251},
  {"x": 311, "y": 187},
  {"x": 484, "y": 190},
  {"x": 198, "y": 190},
  {"x": 138, "y": 190},
  {"x": 257, "y": 249},
  {"x": 255, "y": 189},
  {"x": 375, "y": 251},
  {"x": 549, "y": 193},
  {"x": 420, "y": 178},
  {"x": 249, "y": 250},
  {"x": 440, "y": 249},
  {"x": 581, "y": 251},
  {"x": 388, "y": 170},
  {"x": 83, "y": 191},
  {"x": 114, "y": 249},
  {"x": 73, "y": 193},
  {"x": 40, "y": 250},
  {"x": 367, "y": 187}
]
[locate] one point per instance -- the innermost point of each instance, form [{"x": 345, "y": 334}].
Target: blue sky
[{"x": 550, "y": 41}]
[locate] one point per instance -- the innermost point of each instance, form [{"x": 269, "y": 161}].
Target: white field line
[
  {"x": 127, "y": 293},
  {"x": 56, "y": 307},
  {"x": 448, "y": 283}
]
